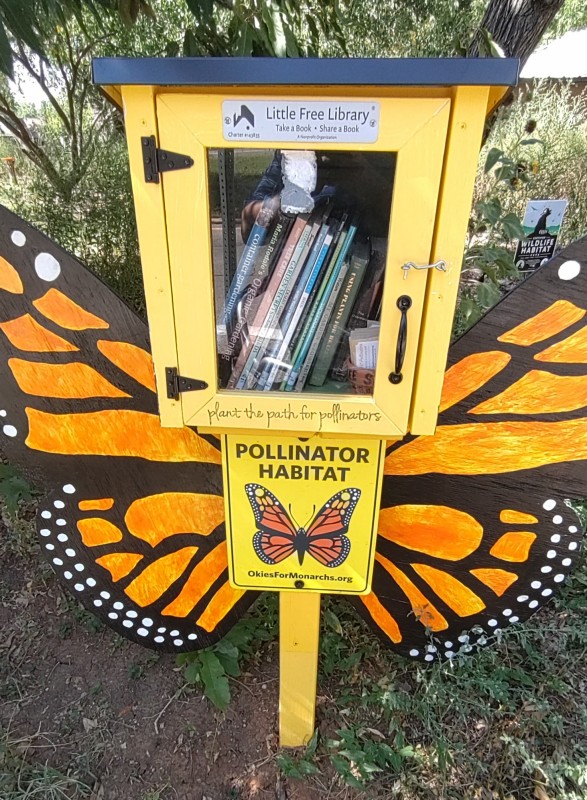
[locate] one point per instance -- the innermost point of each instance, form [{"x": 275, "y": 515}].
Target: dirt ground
[{"x": 120, "y": 718}]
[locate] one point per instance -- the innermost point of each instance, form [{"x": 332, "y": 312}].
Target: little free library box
[{"x": 301, "y": 226}]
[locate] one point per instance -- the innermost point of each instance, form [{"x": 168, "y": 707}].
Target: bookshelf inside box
[{"x": 430, "y": 122}]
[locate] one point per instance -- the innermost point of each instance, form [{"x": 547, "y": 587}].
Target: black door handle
[{"x": 403, "y": 303}]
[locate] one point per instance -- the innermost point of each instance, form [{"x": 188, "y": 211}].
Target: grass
[{"x": 23, "y": 778}]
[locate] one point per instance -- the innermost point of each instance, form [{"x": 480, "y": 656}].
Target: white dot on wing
[
  {"x": 46, "y": 514},
  {"x": 105, "y": 595},
  {"x": 548, "y": 505},
  {"x": 59, "y": 504},
  {"x": 178, "y": 642},
  {"x": 62, "y": 537},
  {"x": 68, "y": 488},
  {"x": 569, "y": 270},
  {"x": 47, "y": 267},
  {"x": 18, "y": 238},
  {"x": 10, "y": 430},
  {"x": 127, "y": 623},
  {"x": 159, "y": 639},
  {"x": 557, "y": 519},
  {"x": 142, "y": 631},
  {"x": 45, "y": 532}
]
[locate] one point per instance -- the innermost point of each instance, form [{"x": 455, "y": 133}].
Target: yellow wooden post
[{"x": 299, "y": 632}]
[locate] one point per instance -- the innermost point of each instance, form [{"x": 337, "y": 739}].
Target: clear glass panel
[{"x": 299, "y": 246}]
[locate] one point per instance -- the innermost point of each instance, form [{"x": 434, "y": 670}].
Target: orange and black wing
[
  {"x": 326, "y": 537},
  {"x": 134, "y": 524},
  {"x": 275, "y": 539},
  {"x": 475, "y": 532}
]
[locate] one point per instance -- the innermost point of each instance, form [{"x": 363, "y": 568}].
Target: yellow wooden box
[{"x": 430, "y": 114}]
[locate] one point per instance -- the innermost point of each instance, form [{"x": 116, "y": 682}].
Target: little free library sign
[{"x": 302, "y": 513}]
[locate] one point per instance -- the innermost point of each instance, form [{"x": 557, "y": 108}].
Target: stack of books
[{"x": 301, "y": 285}]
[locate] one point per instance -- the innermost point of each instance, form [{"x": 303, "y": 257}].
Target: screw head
[{"x": 299, "y": 584}]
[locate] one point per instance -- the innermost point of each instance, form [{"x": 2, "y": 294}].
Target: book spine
[
  {"x": 304, "y": 346},
  {"x": 268, "y": 295},
  {"x": 299, "y": 310},
  {"x": 245, "y": 303},
  {"x": 305, "y": 258},
  {"x": 357, "y": 319},
  {"x": 250, "y": 372},
  {"x": 247, "y": 260},
  {"x": 316, "y": 296},
  {"x": 317, "y": 339},
  {"x": 342, "y": 309}
]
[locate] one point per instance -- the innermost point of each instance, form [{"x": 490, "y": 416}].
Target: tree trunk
[{"x": 515, "y": 25}]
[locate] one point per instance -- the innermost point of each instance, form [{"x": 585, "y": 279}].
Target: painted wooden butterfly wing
[
  {"x": 134, "y": 522},
  {"x": 135, "y": 527},
  {"x": 474, "y": 530}
]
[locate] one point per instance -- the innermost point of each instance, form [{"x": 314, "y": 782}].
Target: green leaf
[
  {"x": 488, "y": 294},
  {"x": 201, "y": 9},
  {"x": 493, "y": 157},
  {"x": 5, "y": 54},
  {"x": 512, "y": 227},
  {"x": 20, "y": 19},
  {"x": 312, "y": 745},
  {"x": 532, "y": 141},
  {"x": 192, "y": 672},
  {"x": 213, "y": 675},
  {"x": 228, "y": 655},
  {"x": 332, "y": 621}
]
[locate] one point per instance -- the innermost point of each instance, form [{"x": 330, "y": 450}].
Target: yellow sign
[{"x": 302, "y": 513}]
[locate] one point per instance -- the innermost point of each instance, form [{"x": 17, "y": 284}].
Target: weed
[
  {"x": 212, "y": 668},
  {"x": 14, "y": 489},
  {"x": 21, "y": 779},
  {"x": 300, "y": 766}
]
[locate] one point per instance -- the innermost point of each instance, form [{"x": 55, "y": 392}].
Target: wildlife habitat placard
[
  {"x": 302, "y": 513},
  {"x": 542, "y": 223}
]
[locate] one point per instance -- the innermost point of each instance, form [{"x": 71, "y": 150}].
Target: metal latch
[
  {"x": 156, "y": 160},
  {"x": 440, "y": 265},
  {"x": 177, "y": 383}
]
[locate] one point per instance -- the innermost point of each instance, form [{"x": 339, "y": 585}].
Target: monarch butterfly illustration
[
  {"x": 325, "y": 538},
  {"x": 474, "y": 532}
]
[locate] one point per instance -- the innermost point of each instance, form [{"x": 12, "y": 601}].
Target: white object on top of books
[{"x": 300, "y": 174}]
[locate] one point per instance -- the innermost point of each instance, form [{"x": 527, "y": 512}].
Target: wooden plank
[{"x": 299, "y": 629}]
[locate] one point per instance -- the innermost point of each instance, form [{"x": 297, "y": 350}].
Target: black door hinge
[
  {"x": 156, "y": 160},
  {"x": 177, "y": 383}
]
